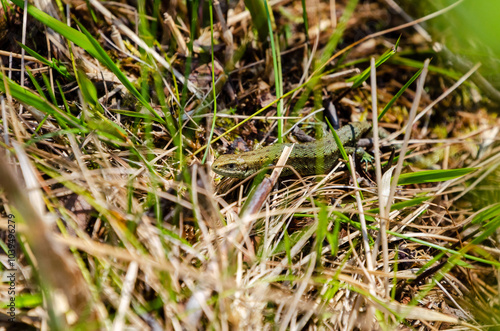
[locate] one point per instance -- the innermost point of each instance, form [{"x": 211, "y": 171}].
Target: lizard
[{"x": 303, "y": 157}]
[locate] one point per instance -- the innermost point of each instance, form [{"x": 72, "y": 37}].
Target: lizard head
[{"x": 231, "y": 165}]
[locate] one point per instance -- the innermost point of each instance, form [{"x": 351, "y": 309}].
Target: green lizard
[{"x": 303, "y": 157}]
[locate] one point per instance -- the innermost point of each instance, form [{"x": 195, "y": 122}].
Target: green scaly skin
[{"x": 305, "y": 158}]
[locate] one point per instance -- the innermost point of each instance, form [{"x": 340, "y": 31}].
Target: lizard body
[{"x": 316, "y": 157}]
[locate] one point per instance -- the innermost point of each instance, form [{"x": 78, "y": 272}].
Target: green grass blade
[
  {"x": 490, "y": 212},
  {"x": 397, "y": 95},
  {"x": 305, "y": 19},
  {"x": 444, "y": 249},
  {"x": 65, "y": 102},
  {"x": 359, "y": 79},
  {"x": 333, "y": 237},
  {"x": 35, "y": 55},
  {"x": 288, "y": 247},
  {"x": 132, "y": 114},
  {"x": 286, "y": 244},
  {"x": 321, "y": 230},
  {"x": 36, "y": 85},
  {"x": 430, "y": 176},
  {"x": 74, "y": 35},
  {"x": 402, "y": 205},
  {"x": 398, "y": 60},
  {"x": 49, "y": 89},
  {"x": 58, "y": 67},
  {"x": 337, "y": 34},
  {"x": 326, "y": 55},
  {"x": 258, "y": 14},
  {"x": 341, "y": 149},
  {"x": 27, "y": 97},
  {"x": 88, "y": 89}
]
